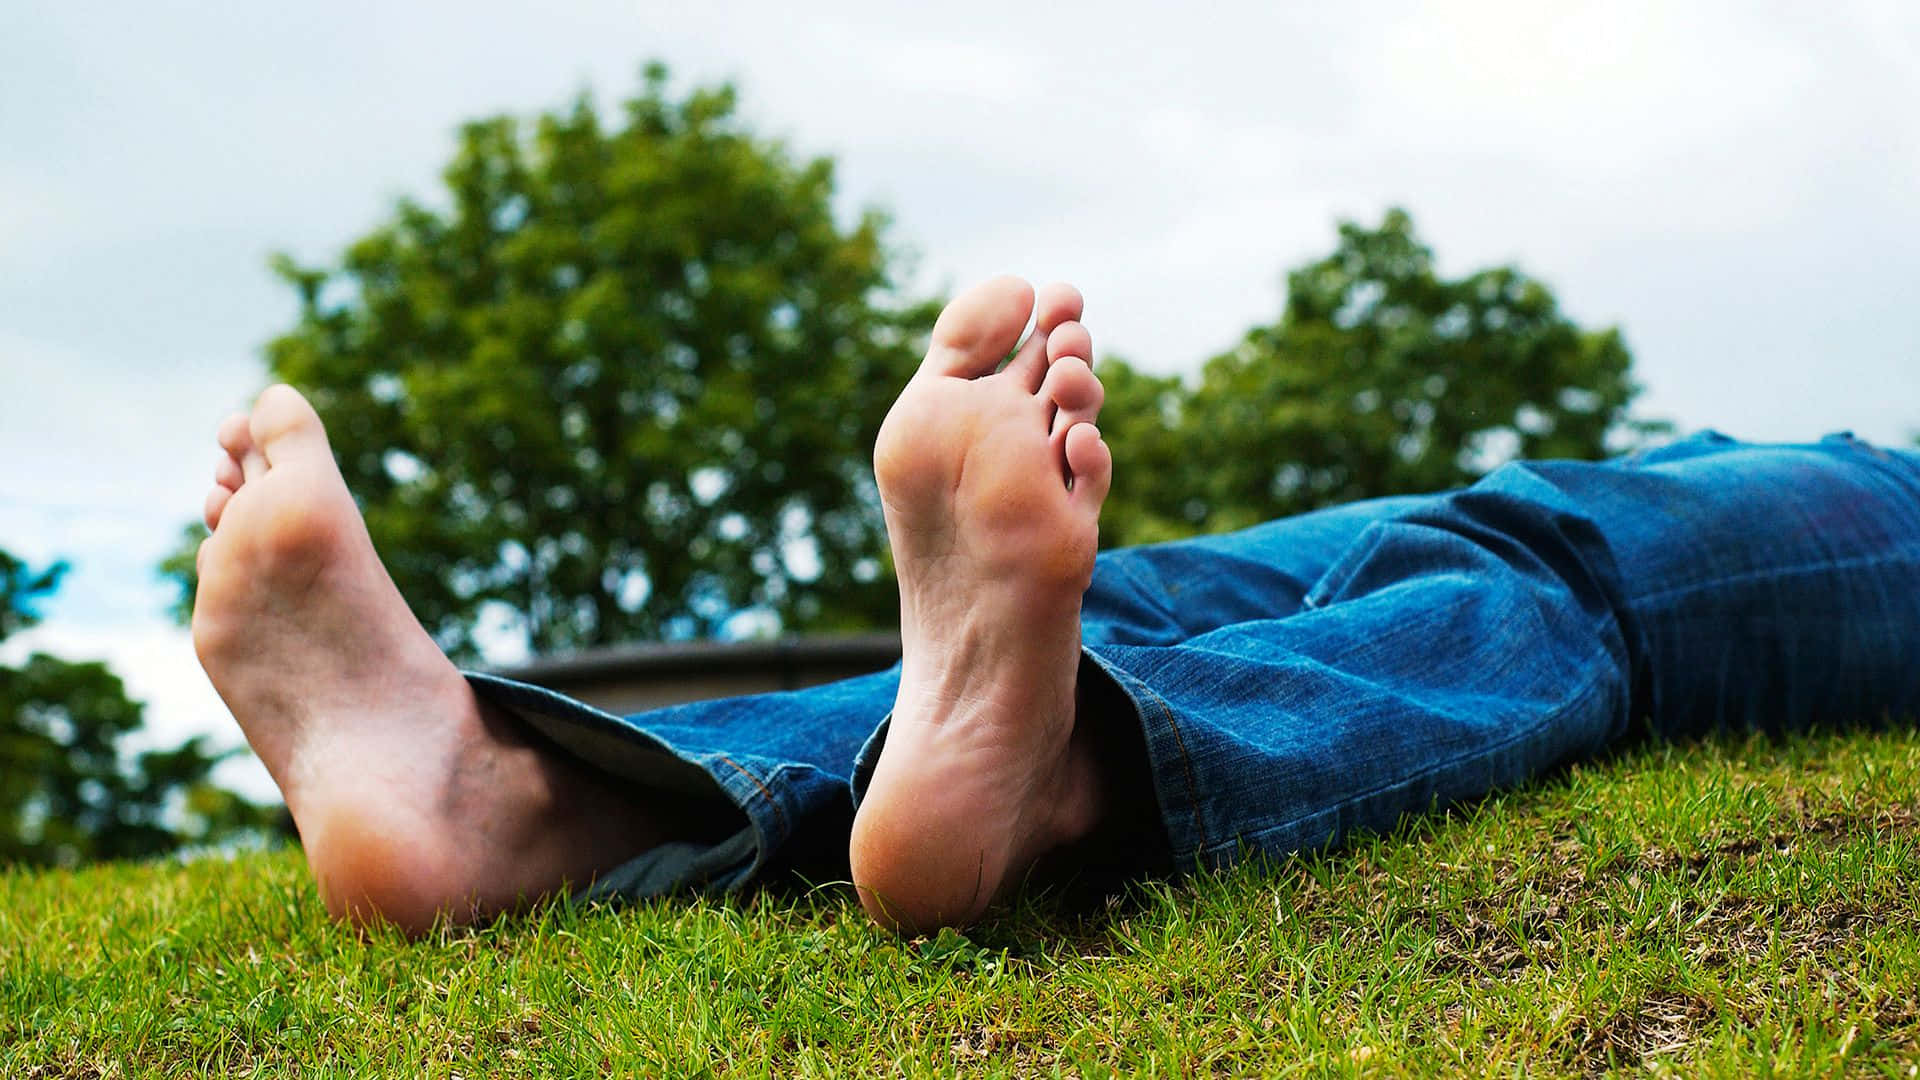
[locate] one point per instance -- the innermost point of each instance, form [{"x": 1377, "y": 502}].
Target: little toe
[
  {"x": 979, "y": 328},
  {"x": 285, "y": 427},
  {"x": 1090, "y": 464},
  {"x": 216, "y": 504}
]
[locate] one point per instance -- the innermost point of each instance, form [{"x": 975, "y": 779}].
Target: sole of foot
[
  {"x": 991, "y": 479},
  {"x": 414, "y": 801}
]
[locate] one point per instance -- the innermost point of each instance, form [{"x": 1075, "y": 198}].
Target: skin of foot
[
  {"x": 414, "y": 801},
  {"x": 991, "y": 479}
]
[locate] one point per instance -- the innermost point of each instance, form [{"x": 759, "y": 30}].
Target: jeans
[{"x": 1279, "y": 687}]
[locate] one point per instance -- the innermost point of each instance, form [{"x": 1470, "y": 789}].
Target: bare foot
[
  {"x": 991, "y": 483},
  {"x": 413, "y": 800}
]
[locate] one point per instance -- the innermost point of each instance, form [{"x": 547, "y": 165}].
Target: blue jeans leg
[
  {"x": 1286, "y": 684},
  {"x": 781, "y": 759},
  {"x": 1471, "y": 640},
  {"x": 788, "y": 760},
  {"x": 1164, "y": 594}
]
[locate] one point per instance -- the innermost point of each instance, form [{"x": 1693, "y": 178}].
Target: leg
[
  {"x": 1163, "y": 594},
  {"x": 412, "y": 798},
  {"x": 1474, "y": 639},
  {"x": 991, "y": 481},
  {"x": 1459, "y": 643},
  {"x": 1766, "y": 588},
  {"x": 781, "y": 759},
  {"x": 417, "y": 798}
]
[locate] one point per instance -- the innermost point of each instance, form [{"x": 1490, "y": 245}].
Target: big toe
[
  {"x": 285, "y": 427},
  {"x": 979, "y": 328}
]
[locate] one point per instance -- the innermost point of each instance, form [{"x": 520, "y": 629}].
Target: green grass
[{"x": 1717, "y": 910}]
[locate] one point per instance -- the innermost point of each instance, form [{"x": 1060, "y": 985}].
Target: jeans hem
[
  {"x": 1175, "y": 789},
  {"x": 1175, "y": 786},
  {"x": 625, "y": 749}
]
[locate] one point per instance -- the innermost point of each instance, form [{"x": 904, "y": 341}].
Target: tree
[
  {"x": 67, "y": 794},
  {"x": 624, "y": 385},
  {"x": 1380, "y": 377}
]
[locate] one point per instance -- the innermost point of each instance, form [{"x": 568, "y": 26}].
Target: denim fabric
[
  {"x": 781, "y": 758},
  {"x": 1295, "y": 681}
]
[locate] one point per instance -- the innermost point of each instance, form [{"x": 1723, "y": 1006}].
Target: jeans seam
[
  {"x": 1186, "y": 764},
  {"x": 1154, "y": 711},
  {"x": 1531, "y": 729},
  {"x": 764, "y": 793},
  {"x": 1858, "y": 561}
]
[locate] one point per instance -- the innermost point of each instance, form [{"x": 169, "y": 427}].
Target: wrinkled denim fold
[{"x": 1290, "y": 683}]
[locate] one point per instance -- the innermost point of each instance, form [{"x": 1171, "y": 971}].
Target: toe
[
  {"x": 233, "y": 435},
  {"x": 1071, "y": 388},
  {"x": 1090, "y": 464},
  {"x": 216, "y": 504},
  {"x": 202, "y": 554},
  {"x": 228, "y": 473},
  {"x": 1058, "y": 306},
  {"x": 236, "y": 437},
  {"x": 1057, "y": 303},
  {"x": 1029, "y": 366},
  {"x": 285, "y": 427},
  {"x": 1070, "y": 339},
  {"x": 1074, "y": 391},
  {"x": 1071, "y": 384},
  {"x": 979, "y": 328}
]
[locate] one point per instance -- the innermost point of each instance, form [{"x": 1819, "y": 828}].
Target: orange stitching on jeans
[
  {"x": 1186, "y": 764},
  {"x": 744, "y": 771}
]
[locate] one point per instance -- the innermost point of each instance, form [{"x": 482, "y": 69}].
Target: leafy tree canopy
[
  {"x": 1380, "y": 377},
  {"x": 67, "y": 794},
  {"x": 624, "y": 384}
]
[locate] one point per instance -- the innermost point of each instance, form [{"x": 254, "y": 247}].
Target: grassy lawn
[{"x": 1723, "y": 909}]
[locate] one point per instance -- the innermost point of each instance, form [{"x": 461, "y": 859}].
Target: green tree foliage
[
  {"x": 624, "y": 384},
  {"x": 67, "y": 794},
  {"x": 1380, "y": 377}
]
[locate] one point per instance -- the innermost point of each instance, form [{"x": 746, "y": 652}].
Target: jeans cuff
[
  {"x": 1176, "y": 807},
  {"x": 1167, "y": 769},
  {"x": 867, "y": 758},
  {"x": 626, "y": 750}
]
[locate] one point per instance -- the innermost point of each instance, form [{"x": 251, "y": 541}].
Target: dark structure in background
[{"x": 630, "y": 678}]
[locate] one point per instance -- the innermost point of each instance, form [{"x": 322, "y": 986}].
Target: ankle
[{"x": 1120, "y": 834}]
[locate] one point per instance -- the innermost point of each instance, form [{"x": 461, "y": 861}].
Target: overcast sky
[{"x": 1732, "y": 184}]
